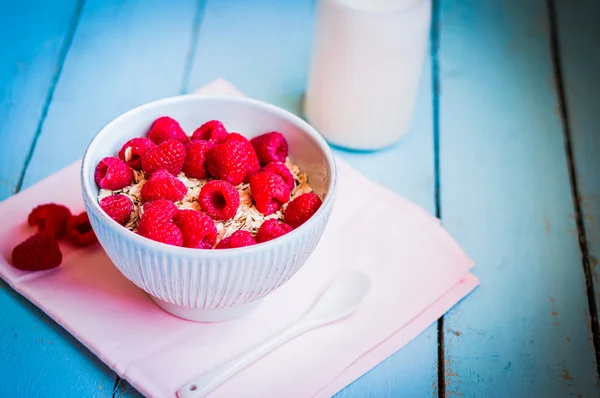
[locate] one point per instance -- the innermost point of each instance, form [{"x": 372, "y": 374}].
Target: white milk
[{"x": 366, "y": 65}]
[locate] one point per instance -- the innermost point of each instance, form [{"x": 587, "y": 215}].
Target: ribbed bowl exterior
[{"x": 191, "y": 279}]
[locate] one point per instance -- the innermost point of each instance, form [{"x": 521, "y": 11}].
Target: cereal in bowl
[{"x": 215, "y": 189}]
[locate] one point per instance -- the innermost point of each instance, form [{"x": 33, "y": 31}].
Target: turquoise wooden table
[{"x": 504, "y": 149}]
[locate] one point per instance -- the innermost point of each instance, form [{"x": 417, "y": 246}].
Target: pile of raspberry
[
  {"x": 53, "y": 221},
  {"x": 215, "y": 189}
]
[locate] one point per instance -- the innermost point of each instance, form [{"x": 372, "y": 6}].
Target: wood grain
[{"x": 506, "y": 199}]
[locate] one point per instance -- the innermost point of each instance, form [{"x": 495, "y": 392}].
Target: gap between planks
[
  {"x": 116, "y": 387},
  {"x": 434, "y": 49},
  {"x": 581, "y": 231},
  {"x": 185, "y": 81}
]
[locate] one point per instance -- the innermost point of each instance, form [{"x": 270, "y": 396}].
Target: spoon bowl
[{"x": 341, "y": 299}]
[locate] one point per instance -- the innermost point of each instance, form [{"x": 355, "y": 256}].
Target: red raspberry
[
  {"x": 239, "y": 238},
  {"x": 219, "y": 199},
  {"x": 166, "y": 128},
  {"x": 156, "y": 223},
  {"x": 301, "y": 209},
  {"x": 169, "y": 155},
  {"x": 79, "y": 230},
  {"x": 163, "y": 185},
  {"x": 269, "y": 192},
  {"x": 118, "y": 207},
  {"x": 211, "y": 131},
  {"x": 199, "y": 231},
  {"x": 163, "y": 205},
  {"x": 39, "y": 252},
  {"x": 195, "y": 158},
  {"x": 50, "y": 218},
  {"x": 237, "y": 137},
  {"x": 282, "y": 171},
  {"x": 112, "y": 174},
  {"x": 270, "y": 147},
  {"x": 137, "y": 149},
  {"x": 233, "y": 161},
  {"x": 271, "y": 229}
]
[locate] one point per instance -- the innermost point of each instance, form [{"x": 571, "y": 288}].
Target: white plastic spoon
[{"x": 341, "y": 299}]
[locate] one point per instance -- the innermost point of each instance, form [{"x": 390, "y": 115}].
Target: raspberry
[
  {"x": 301, "y": 209},
  {"x": 163, "y": 205},
  {"x": 199, "y": 231},
  {"x": 282, "y": 171},
  {"x": 118, "y": 207},
  {"x": 134, "y": 150},
  {"x": 50, "y": 218},
  {"x": 239, "y": 238},
  {"x": 270, "y": 147},
  {"x": 79, "y": 230},
  {"x": 39, "y": 252},
  {"x": 233, "y": 161},
  {"x": 211, "y": 131},
  {"x": 269, "y": 192},
  {"x": 238, "y": 137},
  {"x": 195, "y": 158},
  {"x": 271, "y": 229},
  {"x": 163, "y": 185},
  {"x": 164, "y": 129},
  {"x": 112, "y": 174},
  {"x": 219, "y": 199},
  {"x": 170, "y": 155},
  {"x": 156, "y": 223}
]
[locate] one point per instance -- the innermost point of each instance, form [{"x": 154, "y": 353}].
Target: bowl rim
[{"x": 149, "y": 243}]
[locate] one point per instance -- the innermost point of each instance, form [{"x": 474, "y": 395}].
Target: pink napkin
[{"x": 418, "y": 273}]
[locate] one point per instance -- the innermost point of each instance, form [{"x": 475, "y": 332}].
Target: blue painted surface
[
  {"x": 505, "y": 197},
  {"x": 32, "y": 36},
  {"x": 505, "y": 192},
  {"x": 123, "y": 55},
  {"x": 261, "y": 47},
  {"x": 31, "y": 344}
]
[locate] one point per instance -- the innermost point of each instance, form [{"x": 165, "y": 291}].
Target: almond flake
[{"x": 128, "y": 153}]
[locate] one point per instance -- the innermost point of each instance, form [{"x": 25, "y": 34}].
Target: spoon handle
[{"x": 208, "y": 381}]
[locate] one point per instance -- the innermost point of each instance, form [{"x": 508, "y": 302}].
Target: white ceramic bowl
[{"x": 211, "y": 285}]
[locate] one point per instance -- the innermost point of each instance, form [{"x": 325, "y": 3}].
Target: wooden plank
[
  {"x": 33, "y": 34},
  {"x": 39, "y": 35},
  {"x": 578, "y": 32},
  {"x": 123, "y": 54},
  {"x": 233, "y": 39},
  {"x": 262, "y": 47},
  {"x": 505, "y": 196}
]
